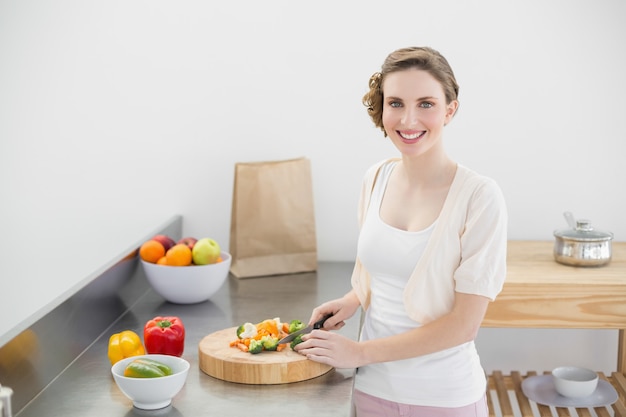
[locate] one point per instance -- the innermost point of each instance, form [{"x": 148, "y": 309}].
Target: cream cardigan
[{"x": 466, "y": 252}]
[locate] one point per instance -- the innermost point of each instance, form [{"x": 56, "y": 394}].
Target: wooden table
[{"x": 541, "y": 293}]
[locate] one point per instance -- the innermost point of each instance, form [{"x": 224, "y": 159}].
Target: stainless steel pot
[{"x": 581, "y": 244}]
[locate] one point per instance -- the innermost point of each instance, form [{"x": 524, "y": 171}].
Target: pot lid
[{"x": 583, "y": 232}]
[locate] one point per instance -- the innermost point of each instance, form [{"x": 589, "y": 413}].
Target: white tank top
[{"x": 390, "y": 255}]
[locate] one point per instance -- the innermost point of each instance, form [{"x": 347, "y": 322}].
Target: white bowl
[
  {"x": 152, "y": 393},
  {"x": 574, "y": 382},
  {"x": 187, "y": 284}
]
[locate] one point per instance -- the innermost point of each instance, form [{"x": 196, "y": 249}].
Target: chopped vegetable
[
  {"x": 279, "y": 325},
  {"x": 296, "y": 341},
  {"x": 269, "y": 343},
  {"x": 255, "y": 338},
  {"x": 267, "y": 327},
  {"x": 124, "y": 345},
  {"x": 295, "y": 325},
  {"x": 246, "y": 330},
  {"x": 241, "y": 346},
  {"x": 256, "y": 346}
]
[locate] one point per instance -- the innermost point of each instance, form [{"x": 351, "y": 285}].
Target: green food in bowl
[
  {"x": 147, "y": 368},
  {"x": 151, "y": 393}
]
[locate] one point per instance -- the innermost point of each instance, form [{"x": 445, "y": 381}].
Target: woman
[{"x": 431, "y": 256}]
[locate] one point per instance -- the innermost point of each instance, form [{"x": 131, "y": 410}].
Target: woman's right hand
[{"x": 341, "y": 308}]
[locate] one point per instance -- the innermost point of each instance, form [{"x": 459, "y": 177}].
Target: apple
[
  {"x": 205, "y": 251},
  {"x": 166, "y": 241},
  {"x": 189, "y": 241}
]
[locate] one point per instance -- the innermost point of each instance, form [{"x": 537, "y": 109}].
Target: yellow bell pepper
[{"x": 124, "y": 345}]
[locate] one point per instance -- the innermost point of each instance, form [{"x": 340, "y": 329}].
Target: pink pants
[{"x": 369, "y": 406}]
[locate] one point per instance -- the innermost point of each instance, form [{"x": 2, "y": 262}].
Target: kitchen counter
[
  {"x": 59, "y": 366},
  {"x": 86, "y": 387}
]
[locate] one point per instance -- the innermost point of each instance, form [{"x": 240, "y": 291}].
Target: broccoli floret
[
  {"x": 269, "y": 342},
  {"x": 295, "y": 325},
  {"x": 296, "y": 341},
  {"x": 256, "y": 346}
]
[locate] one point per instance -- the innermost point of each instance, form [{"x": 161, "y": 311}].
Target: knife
[{"x": 317, "y": 325}]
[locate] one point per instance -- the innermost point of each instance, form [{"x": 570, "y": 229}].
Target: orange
[
  {"x": 178, "y": 255},
  {"x": 151, "y": 251},
  {"x": 162, "y": 260}
]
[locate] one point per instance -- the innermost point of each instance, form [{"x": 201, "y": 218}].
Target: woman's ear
[{"x": 451, "y": 111}]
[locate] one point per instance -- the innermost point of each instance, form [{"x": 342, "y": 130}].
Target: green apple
[{"x": 205, "y": 251}]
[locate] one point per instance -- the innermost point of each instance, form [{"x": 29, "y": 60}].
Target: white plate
[{"x": 541, "y": 390}]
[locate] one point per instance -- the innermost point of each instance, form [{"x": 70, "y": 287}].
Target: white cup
[{"x": 574, "y": 382}]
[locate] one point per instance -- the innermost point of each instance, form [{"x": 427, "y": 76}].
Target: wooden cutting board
[{"x": 221, "y": 361}]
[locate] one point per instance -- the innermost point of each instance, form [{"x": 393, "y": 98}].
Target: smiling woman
[{"x": 431, "y": 256}]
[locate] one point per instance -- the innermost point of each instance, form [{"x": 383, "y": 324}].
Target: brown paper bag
[{"x": 272, "y": 227}]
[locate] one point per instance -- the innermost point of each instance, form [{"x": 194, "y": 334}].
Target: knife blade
[{"x": 317, "y": 325}]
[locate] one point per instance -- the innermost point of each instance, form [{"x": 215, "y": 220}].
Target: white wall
[{"x": 115, "y": 115}]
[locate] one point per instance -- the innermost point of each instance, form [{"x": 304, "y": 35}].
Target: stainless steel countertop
[{"x": 86, "y": 387}]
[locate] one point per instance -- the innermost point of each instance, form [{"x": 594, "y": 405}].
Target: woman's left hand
[{"x": 331, "y": 349}]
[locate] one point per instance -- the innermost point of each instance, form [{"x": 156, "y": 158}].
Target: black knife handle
[{"x": 320, "y": 323}]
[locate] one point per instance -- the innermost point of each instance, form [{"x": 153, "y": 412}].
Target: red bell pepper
[{"x": 164, "y": 335}]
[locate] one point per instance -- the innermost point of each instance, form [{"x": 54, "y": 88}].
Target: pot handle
[{"x": 569, "y": 217}]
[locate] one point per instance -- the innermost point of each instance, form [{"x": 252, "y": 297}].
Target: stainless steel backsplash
[{"x": 38, "y": 354}]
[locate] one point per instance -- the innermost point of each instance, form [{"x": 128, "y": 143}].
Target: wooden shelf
[{"x": 541, "y": 293}]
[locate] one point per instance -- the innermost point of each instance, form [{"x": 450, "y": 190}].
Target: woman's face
[{"x": 415, "y": 110}]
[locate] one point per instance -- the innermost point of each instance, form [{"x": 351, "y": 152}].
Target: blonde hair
[{"x": 422, "y": 58}]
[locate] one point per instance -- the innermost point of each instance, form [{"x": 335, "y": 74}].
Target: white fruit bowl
[
  {"x": 152, "y": 393},
  {"x": 187, "y": 284},
  {"x": 574, "y": 382}
]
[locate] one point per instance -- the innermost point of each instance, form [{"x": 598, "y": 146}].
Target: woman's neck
[{"x": 428, "y": 171}]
